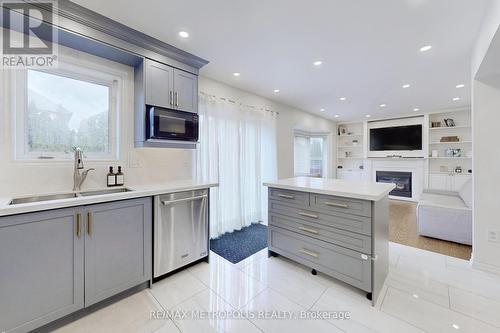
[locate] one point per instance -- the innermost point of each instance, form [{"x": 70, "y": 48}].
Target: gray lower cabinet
[
  {"x": 117, "y": 247},
  {"x": 56, "y": 262},
  {"x": 345, "y": 238},
  {"x": 41, "y": 268}
]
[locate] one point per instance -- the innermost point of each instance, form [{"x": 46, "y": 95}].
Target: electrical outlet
[{"x": 494, "y": 236}]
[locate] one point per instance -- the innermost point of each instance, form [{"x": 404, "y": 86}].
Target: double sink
[{"x": 71, "y": 195}]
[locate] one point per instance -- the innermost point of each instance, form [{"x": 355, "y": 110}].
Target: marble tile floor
[{"x": 425, "y": 292}]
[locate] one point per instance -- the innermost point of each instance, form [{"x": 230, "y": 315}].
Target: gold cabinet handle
[
  {"x": 335, "y": 204},
  {"x": 309, "y": 253},
  {"x": 312, "y": 231},
  {"x": 176, "y": 98},
  {"x": 78, "y": 225},
  {"x": 286, "y": 196},
  {"x": 89, "y": 223},
  {"x": 308, "y": 215},
  {"x": 171, "y": 97}
]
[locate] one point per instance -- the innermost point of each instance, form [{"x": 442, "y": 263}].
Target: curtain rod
[{"x": 239, "y": 103}]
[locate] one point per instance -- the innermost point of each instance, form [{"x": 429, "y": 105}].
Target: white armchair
[{"x": 446, "y": 215}]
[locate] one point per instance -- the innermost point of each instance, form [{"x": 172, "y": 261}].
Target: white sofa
[{"x": 446, "y": 215}]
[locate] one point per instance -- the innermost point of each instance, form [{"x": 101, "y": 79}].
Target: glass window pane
[
  {"x": 317, "y": 157},
  {"x": 63, "y": 112},
  {"x": 302, "y": 156}
]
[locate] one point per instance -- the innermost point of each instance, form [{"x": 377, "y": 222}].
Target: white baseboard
[{"x": 485, "y": 267}]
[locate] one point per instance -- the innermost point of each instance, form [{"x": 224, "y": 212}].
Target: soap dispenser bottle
[
  {"x": 120, "y": 177},
  {"x": 111, "y": 178}
]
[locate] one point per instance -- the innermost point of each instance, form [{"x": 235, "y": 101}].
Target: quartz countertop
[
  {"x": 363, "y": 190},
  {"x": 136, "y": 192}
]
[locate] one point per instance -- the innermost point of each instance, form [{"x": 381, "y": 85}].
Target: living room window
[
  {"x": 74, "y": 105},
  {"x": 309, "y": 155}
]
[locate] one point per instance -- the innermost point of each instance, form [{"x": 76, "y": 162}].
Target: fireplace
[{"x": 401, "y": 179}]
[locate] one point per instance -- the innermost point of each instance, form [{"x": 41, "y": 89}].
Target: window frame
[
  {"x": 72, "y": 67},
  {"x": 310, "y": 135}
]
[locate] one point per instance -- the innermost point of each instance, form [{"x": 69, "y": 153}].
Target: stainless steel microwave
[{"x": 168, "y": 124}]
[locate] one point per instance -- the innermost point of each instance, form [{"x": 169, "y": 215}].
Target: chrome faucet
[{"x": 78, "y": 178}]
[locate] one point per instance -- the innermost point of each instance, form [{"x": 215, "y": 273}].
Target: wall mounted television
[{"x": 397, "y": 138}]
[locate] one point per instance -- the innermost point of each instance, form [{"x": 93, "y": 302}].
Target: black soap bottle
[
  {"x": 111, "y": 178},
  {"x": 120, "y": 177}
]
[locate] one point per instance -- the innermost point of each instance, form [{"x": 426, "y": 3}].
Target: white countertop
[
  {"x": 137, "y": 192},
  {"x": 364, "y": 190}
]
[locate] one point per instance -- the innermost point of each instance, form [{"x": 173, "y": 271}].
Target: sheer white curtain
[{"x": 237, "y": 149}]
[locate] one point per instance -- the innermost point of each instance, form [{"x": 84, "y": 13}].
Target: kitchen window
[
  {"x": 74, "y": 105},
  {"x": 309, "y": 155}
]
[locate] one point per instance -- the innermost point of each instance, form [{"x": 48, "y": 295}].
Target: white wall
[
  {"x": 486, "y": 158},
  {"x": 289, "y": 119}
]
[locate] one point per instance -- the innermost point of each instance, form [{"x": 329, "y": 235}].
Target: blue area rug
[{"x": 240, "y": 244}]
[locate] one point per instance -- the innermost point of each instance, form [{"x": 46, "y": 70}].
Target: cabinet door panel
[
  {"x": 159, "y": 84},
  {"x": 117, "y": 247},
  {"x": 41, "y": 274},
  {"x": 439, "y": 182},
  {"x": 186, "y": 91},
  {"x": 459, "y": 181}
]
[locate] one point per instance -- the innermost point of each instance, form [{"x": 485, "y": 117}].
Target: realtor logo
[{"x": 29, "y": 38}]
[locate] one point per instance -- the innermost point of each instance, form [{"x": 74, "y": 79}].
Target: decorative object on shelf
[
  {"x": 449, "y": 122},
  {"x": 443, "y": 168},
  {"x": 342, "y": 130},
  {"x": 340, "y": 167},
  {"x": 348, "y": 154},
  {"x": 452, "y": 138},
  {"x": 435, "y": 124},
  {"x": 355, "y": 142},
  {"x": 453, "y": 152},
  {"x": 434, "y": 153},
  {"x": 361, "y": 167},
  {"x": 458, "y": 169},
  {"x": 469, "y": 171}
]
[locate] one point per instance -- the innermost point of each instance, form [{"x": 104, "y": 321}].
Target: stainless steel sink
[
  {"x": 43, "y": 198},
  {"x": 107, "y": 191}
]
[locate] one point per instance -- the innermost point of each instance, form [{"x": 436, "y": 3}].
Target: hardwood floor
[{"x": 403, "y": 230}]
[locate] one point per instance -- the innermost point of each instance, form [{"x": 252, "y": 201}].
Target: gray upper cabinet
[
  {"x": 159, "y": 87},
  {"x": 41, "y": 268},
  {"x": 117, "y": 247},
  {"x": 186, "y": 91},
  {"x": 169, "y": 87}
]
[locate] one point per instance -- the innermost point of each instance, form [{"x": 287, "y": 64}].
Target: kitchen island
[{"x": 337, "y": 227}]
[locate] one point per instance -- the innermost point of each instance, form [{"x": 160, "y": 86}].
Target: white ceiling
[{"x": 369, "y": 48}]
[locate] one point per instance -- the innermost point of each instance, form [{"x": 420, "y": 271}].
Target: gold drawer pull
[
  {"x": 335, "y": 204},
  {"x": 312, "y": 231},
  {"x": 89, "y": 223},
  {"x": 286, "y": 196},
  {"x": 308, "y": 215},
  {"x": 78, "y": 225},
  {"x": 310, "y": 253}
]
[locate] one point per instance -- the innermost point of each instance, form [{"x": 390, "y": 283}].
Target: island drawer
[
  {"x": 353, "y": 241},
  {"x": 340, "y": 204},
  {"x": 353, "y": 223},
  {"x": 293, "y": 197},
  {"x": 346, "y": 265}
]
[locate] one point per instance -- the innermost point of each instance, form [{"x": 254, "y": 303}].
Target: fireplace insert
[{"x": 401, "y": 179}]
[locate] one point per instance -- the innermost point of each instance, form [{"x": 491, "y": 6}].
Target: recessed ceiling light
[
  {"x": 455, "y": 326},
  {"x": 318, "y": 63},
  {"x": 276, "y": 91},
  {"x": 236, "y": 74},
  {"x": 460, "y": 85},
  {"x": 383, "y": 105},
  {"x": 425, "y": 48},
  {"x": 342, "y": 98},
  {"x": 368, "y": 116},
  {"x": 183, "y": 34},
  {"x": 322, "y": 110},
  {"x": 456, "y": 99},
  {"x": 416, "y": 109},
  {"x": 406, "y": 86},
  {"x": 415, "y": 296},
  {"x": 336, "y": 116}
]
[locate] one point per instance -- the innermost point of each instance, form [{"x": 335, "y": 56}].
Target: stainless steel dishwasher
[{"x": 180, "y": 230}]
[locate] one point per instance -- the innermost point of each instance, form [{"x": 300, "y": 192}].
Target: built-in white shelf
[
  {"x": 350, "y": 158},
  {"x": 355, "y": 134},
  {"x": 450, "y": 173},
  {"x": 449, "y": 143},
  {"x": 448, "y": 128},
  {"x": 359, "y": 146}
]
